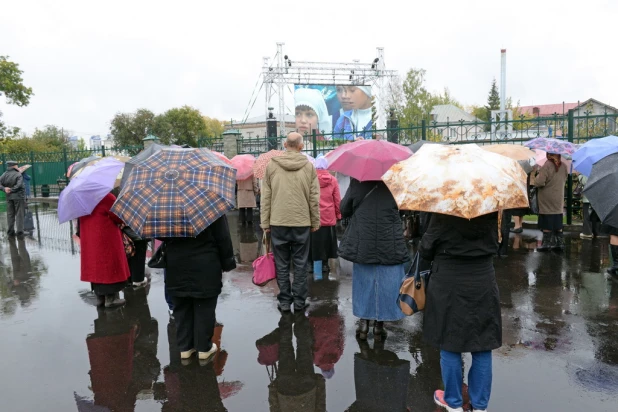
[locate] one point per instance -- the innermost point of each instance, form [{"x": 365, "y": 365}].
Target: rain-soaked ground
[{"x": 58, "y": 353}]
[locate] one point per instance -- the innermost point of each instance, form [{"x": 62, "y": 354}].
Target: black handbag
[
  {"x": 534, "y": 200},
  {"x": 159, "y": 259}
]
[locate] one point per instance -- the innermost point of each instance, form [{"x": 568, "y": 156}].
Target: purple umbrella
[
  {"x": 551, "y": 145},
  {"x": 87, "y": 189}
]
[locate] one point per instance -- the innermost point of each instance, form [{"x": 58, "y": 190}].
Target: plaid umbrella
[
  {"x": 259, "y": 167},
  {"x": 176, "y": 193},
  {"x": 140, "y": 157}
]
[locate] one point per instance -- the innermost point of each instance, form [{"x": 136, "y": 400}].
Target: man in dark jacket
[{"x": 12, "y": 183}]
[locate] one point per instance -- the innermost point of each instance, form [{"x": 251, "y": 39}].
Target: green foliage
[
  {"x": 11, "y": 83},
  {"x": 493, "y": 99},
  {"x": 129, "y": 129},
  {"x": 184, "y": 125},
  {"x": 214, "y": 127},
  {"x": 52, "y": 137},
  {"x": 48, "y": 139}
]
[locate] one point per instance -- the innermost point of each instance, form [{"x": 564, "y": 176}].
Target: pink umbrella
[
  {"x": 222, "y": 157},
  {"x": 541, "y": 158},
  {"x": 366, "y": 159},
  {"x": 243, "y": 165}
]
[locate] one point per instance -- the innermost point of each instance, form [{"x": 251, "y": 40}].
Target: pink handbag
[{"x": 264, "y": 266}]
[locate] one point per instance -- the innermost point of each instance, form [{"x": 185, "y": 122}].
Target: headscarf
[
  {"x": 313, "y": 98},
  {"x": 556, "y": 159},
  {"x": 321, "y": 163},
  {"x": 366, "y": 90}
]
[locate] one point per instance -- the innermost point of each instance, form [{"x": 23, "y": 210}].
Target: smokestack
[{"x": 503, "y": 80}]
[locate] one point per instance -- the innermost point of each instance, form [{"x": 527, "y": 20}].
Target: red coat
[
  {"x": 103, "y": 258},
  {"x": 329, "y": 199},
  {"x": 328, "y": 340}
]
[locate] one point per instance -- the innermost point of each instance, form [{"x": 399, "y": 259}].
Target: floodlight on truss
[{"x": 286, "y": 71}]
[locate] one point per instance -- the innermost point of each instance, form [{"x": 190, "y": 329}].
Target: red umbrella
[
  {"x": 259, "y": 167},
  {"x": 243, "y": 165},
  {"x": 222, "y": 157},
  {"x": 367, "y": 159}
]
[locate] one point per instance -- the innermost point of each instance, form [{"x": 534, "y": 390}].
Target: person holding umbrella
[
  {"x": 465, "y": 187},
  {"x": 181, "y": 196},
  {"x": 550, "y": 181},
  {"x": 12, "y": 183}
]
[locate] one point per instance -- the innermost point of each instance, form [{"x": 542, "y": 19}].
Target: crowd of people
[{"x": 301, "y": 206}]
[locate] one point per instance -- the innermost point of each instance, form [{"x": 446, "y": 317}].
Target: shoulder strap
[{"x": 366, "y": 196}]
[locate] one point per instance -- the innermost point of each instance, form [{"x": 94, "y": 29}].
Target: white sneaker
[
  {"x": 140, "y": 284},
  {"x": 187, "y": 354},
  {"x": 208, "y": 355}
]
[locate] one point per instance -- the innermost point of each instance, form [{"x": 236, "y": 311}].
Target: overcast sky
[{"x": 88, "y": 60}]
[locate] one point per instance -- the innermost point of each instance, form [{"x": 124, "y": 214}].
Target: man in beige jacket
[{"x": 290, "y": 210}]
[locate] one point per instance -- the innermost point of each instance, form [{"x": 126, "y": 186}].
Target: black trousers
[
  {"x": 245, "y": 214},
  {"x": 291, "y": 244},
  {"x": 195, "y": 322},
  {"x": 137, "y": 262},
  {"x": 295, "y": 375},
  {"x": 15, "y": 215}
]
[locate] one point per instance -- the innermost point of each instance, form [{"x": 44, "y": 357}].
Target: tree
[
  {"x": 12, "y": 86},
  {"x": 214, "y": 127},
  {"x": 52, "y": 138},
  {"x": 129, "y": 129},
  {"x": 480, "y": 112},
  {"x": 493, "y": 99},
  {"x": 183, "y": 125}
]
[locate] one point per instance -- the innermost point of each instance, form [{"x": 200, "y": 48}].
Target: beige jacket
[
  {"x": 247, "y": 190},
  {"x": 551, "y": 188},
  {"x": 290, "y": 193}
]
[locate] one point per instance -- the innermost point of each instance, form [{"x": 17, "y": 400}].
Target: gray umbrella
[
  {"x": 416, "y": 146},
  {"x": 81, "y": 164},
  {"x": 602, "y": 189},
  {"x": 140, "y": 157}
]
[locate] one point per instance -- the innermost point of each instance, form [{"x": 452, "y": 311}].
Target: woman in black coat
[
  {"x": 462, "y": 311},
  {"x": 374, "y": 242},
  {"x": 193, "y": 280}
]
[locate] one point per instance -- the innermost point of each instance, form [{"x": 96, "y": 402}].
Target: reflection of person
[
  {"x": 356, "y": 121},
  {"x": 462, "y": 311},
  {"x": 311, "y": 112},
  {"x": 248, "y": 245},
  {"x": 12, "y": 183},
  {"x": 324, "y": 241},
  {"x": 296, "y": 387},
  {"x": 381, "y": 380},
  {"x": 374, "y": 242},
  {"x": 193, "y": 277},
  {"x": 290, "y": 211},
  {"x": 106, "y": 268},
  {"x": 550, "y": 181},
  {"x": 248, "y": 189},
  {"x": 22, "y": 270}
]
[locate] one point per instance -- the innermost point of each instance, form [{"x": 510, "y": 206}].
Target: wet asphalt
[{"x": 59, "y": 353}]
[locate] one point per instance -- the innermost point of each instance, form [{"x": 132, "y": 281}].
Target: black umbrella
[
  {"x": 415, "y": 147},
  {"x": 602, "y": 189},
  {"x": 140, "y": 157}
]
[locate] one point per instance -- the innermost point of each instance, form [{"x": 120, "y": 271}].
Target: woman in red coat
[
  {"x": 103, "y": 259},
  {"x": 324, "y": 241}
]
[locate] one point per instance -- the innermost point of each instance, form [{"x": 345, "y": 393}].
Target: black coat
[
  {"x": 374, "y": 235},
  {"x": 195, "y": 265},
  {"x": 462, "y": 310}
]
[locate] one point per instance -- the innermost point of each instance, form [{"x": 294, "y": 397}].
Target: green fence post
[
  {"x": 314, "y": 141},
  {"x": 423, "y": 130},
  {"x": 570, "y": 135},
  {"x": 66, "y": 160},
  {"x": 33, "y": 174},
  {"x": 103, "y": 151},
  {"x": 4, "y": 162}
]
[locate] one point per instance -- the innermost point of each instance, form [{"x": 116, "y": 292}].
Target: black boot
[
  {"x": 547, "y": 240},
  {"x": 378, "y": 331},
  {"x": 363, "y": 329},
  {"x": 613, "y": 271},
  {"x": 558, "y": 244}
]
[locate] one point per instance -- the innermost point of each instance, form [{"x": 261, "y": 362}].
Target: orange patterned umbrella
[{"x": 259, "y": 167}]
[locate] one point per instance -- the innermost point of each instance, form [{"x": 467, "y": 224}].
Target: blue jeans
[{"x": 479, "y": 379}]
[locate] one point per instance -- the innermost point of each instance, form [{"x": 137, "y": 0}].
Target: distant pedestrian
[
  {"x": 248, "y": 189},
  {"x": 374, "y": 242},
  {"x": 290, "y": 210},
  {"x": 193, "y": 279},
  {"x": 103, "y": 259},
  {"x": 324, "y": 241},
  {"x": 613, "y": 247},
  {"x": 550, "y": 181},
  {"x": 462, "y": 311},
  {"x": 12, "y": 183}
]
